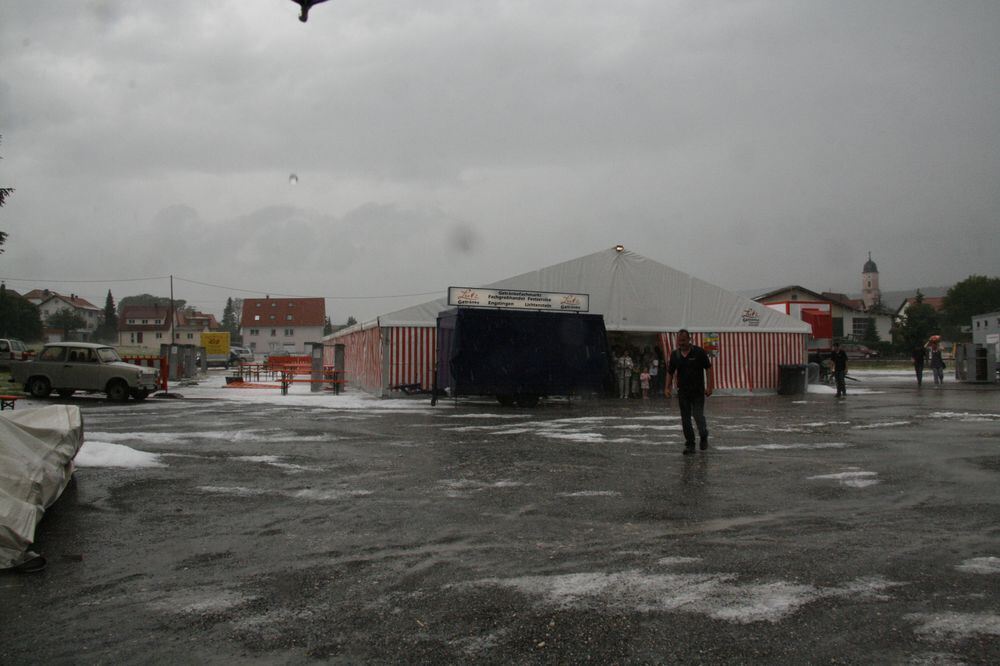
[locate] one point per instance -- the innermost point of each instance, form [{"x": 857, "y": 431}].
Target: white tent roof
[{"x": 632, "y": 292}]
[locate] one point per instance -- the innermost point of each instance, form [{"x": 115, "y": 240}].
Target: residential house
[
  {"x": 51, "y": 302},
  {"x": 143, "y": 328},
  {"x": 282, "y": 325},
  {"x": 146, "y": 327},
  {"x": 189, "y": 324},
  {"x": 850, "y": 319}
]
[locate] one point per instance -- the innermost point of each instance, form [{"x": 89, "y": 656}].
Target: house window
[
  {"x": 290, "y": 304},
  {"x": 288, "y": 317},
  {"x": 256, "y": 317},
  {"x": 131, "y": 321},
  {"x": 159, "y": 336},
  {"x": 158, "y": 321},
  {"x": 289, "y": 332},
  {"x": 145, "y": 321},
  {"x": 257, "y": 305},
  {"x": 254, "y": 331},
  {"x": 859, "y": 327},
  {"x": 274, "y": 305},
  {"x": 273, "y": 317},
  {"x": 131, "y": 338},
  {"x": 190, "y": 336},
  {"x": 274, "y": 332}
]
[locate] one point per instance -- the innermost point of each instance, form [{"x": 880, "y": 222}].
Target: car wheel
[
  {"x": 140, "y": 394},
  {"x": 505, "y": 400},
  {"x": 118, "y": 391},
  {"x": 39, "y": 387},
  {"x": 65, "y": 393}
]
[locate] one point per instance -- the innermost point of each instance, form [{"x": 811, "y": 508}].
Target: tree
[
  {"x": 149, "y": 299},
  {"x": 4, "y": 193},
  {"x": 108, "y": 330},
  {"x": 976, "y": 294},
  {"x": 66, "y": 319},
  {"x": 229, "y": 323},
  {"x": 327, "y": 326},
  {"x": 351, "y": 321},
  {"x": 18, "y": 317},
  {"x": 919, "y": 323}
]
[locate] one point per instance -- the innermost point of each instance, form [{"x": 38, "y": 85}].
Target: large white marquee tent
[{"x": 634, "y": 294}]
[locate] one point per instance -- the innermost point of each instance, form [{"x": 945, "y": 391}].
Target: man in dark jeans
[
  {"x": 839, "y": 360},
  {"x": 690, "y": 365}
]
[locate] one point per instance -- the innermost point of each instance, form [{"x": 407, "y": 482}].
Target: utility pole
[{"x": 171, "y": 310}]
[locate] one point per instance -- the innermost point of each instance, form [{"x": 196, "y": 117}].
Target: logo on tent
[{"x": 750, "y": 317}]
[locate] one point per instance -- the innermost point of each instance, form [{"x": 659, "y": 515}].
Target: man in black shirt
[
  {"x": 690, "y": 365},
  {"x": 839, "y": 360}
]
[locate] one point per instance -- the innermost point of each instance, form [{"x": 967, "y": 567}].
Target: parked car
[
  {"x": 12, "y": 349},
  {"x": 239, "y": 354},
  {"x": 856, "y": 351},
  {"x": 68, "y": 367}
]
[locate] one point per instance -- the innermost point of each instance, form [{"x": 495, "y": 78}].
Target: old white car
[{"x": 68, "y": 367}]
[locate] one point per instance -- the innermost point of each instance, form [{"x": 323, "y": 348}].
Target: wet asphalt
[{"x": 813, "y": 530}]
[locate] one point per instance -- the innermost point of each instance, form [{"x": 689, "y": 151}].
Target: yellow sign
[{"x": 215, "y": 343}]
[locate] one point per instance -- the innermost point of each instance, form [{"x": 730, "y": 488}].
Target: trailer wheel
[
  {"x": 506, "y": 400},
  {"x": 527, "y": 400}
]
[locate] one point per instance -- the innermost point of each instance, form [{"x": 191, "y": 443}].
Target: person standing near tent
[
  {"x": 624, "y": 371},
  {"x": 691, "y": 367},
  {"x": 839, "y": 360},
  {"x": 937, "y": 361}
]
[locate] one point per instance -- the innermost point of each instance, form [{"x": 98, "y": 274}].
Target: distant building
[
  {"x": 144, "y": 326},
  {"x": 51, "y": 302},
  {"x": 148, "y": 326},
  {"x": 871, "y": 295},
  {"x": 282, "y": 325},
  {"x": 850, "y": 317},
  {"x": 986, "y": 329}
]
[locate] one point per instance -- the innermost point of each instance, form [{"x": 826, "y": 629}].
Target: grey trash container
[{"x": 792, "y": 379}]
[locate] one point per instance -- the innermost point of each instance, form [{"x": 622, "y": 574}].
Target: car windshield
[
  {"x": 108, "y": 355},
  {"x": 52, "y": 354},
  {"x": 17, "y": 345}
]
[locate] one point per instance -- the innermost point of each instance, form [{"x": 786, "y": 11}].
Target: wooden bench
[{"x": 7, "y": 401}]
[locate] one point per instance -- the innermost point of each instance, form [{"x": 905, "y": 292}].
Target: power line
[{"x": 226, "y": 287}]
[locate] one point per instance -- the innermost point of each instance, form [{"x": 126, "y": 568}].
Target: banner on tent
[{"x": 518, "y": 299}]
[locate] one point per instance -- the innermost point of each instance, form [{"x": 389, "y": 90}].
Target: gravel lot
[{"x": 289, "y": 529}]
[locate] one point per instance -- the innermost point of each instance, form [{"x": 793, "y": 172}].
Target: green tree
[
  {"x": 327, "y": 326},
  {"x": 229, "y": 317},
  {"x": 4, "y": 193},
  {"x": 976, "y": 294},
  {"x": 108, "y": 330},
  {"x": 149, "y": 299},
  {"x": 18, "y": 317},
  {"x": 67, "y": 320},
  {"x": 919, "y": 323},
  {"x": 351, "y": 321}
]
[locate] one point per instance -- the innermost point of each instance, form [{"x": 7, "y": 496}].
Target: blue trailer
[{"x": 521, "y": 355}]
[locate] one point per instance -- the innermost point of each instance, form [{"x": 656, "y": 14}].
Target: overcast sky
[{"x": 449, "y": 142}]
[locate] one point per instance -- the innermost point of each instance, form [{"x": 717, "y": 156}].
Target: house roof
[
  {"x": 286, "y": 312},
  {"x": 844, "y": 300},
  {"x": 150, "y": 313},
  {"x": 631, "y": 292},
  {"x": 790, "y": 287},
  {"x": 45, "y": 295},
  {"x": 936, "y": 302},
  {"x": 186, "y": 318}
]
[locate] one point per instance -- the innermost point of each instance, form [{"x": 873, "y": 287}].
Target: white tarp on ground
[
  {"x": 632, "y": 292},
  {"x": 37, "y": 447}
]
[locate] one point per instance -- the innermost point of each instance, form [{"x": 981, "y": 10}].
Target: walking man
[
  {"x": 919, "y": 355},
  {"x": 691, "y": 365},
  {"x": 839, "y": 360},
  {"x": 937, "y": 362}
]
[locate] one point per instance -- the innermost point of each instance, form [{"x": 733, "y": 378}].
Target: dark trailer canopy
[{"x": 521, "y": 354}]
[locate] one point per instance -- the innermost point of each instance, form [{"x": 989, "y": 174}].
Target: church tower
[{"x": 870, "y": 293}]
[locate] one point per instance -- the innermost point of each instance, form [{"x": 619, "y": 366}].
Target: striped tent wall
[
  {"x": 748, "y": 361},
  {"x": 411, "y": 356},
  {"x": 362, "y": 358}
]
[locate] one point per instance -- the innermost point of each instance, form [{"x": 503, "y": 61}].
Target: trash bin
[{"x": 792, "y": 379}]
